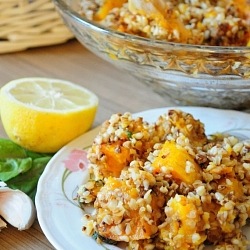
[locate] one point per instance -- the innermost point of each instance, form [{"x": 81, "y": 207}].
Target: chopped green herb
[{"x": 129, "y": 134}]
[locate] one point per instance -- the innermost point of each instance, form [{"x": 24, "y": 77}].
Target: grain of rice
[{"x": 219, "y": 196}]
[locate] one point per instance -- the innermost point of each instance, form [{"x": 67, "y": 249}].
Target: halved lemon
[{"x": 43, "y": 114}]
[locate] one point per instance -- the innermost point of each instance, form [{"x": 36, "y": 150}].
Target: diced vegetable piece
[
  {"x": 117, "y": 157},
  {"x": 244, "y": 7},
  {"x": 182, "y": 228},
  {"x": 231, "y": 187},
  {"x": 106, "y": 7},
  {"x": 158, "y": 11},
  {"x": 147, "y": 8},
  {"x": 120, "y": 217},
  {"x": 178, "y": 162}
]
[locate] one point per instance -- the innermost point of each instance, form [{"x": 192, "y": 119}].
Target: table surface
[{"x": 117, "y": 92}]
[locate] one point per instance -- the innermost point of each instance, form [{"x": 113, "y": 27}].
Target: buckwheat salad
[
  {"x": 209, "y": 22},
  {"x": 166, "y": 185}
]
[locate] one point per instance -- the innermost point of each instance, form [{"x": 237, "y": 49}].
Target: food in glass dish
[
  {"x": 209, "y": 22},
  {"x": 166, "y": 185}
]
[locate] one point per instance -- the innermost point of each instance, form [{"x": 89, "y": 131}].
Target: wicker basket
[{"x": 30, "y": 23}]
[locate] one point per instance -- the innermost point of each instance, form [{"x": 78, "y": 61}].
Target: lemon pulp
[{"x": 43, "y": 114}]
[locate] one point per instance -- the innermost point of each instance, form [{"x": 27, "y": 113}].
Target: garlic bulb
[{"x": 16, "y": 208}]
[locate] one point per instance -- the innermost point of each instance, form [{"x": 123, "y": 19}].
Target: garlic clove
[{"x": 17, "y": 208}]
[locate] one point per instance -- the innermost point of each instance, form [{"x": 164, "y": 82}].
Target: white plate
[{"x": 58, "y": 213}]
